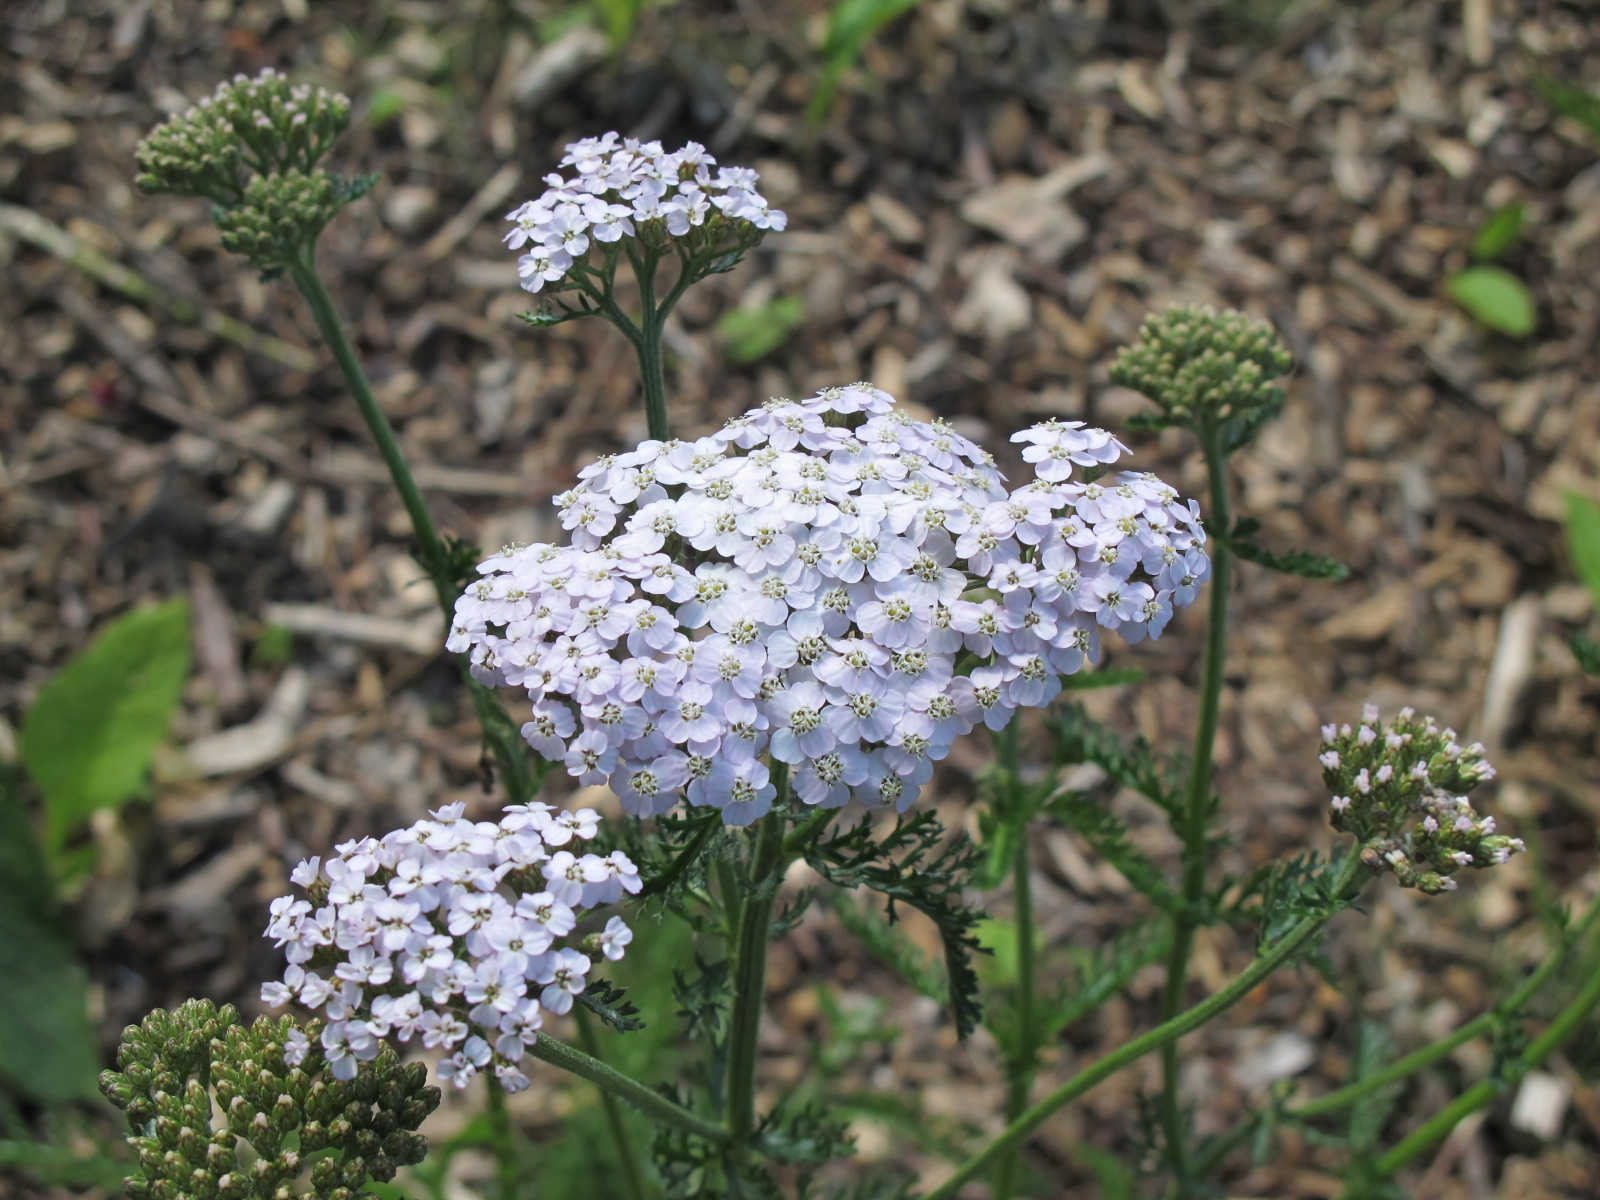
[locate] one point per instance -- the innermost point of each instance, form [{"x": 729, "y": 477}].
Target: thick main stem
[
  {"x": 646, "y": 1099},
  {"x": 1025, "y": 1053},
  {"x": 750, "y": 972},
  {"x": 1162, "y": 1035},
  {"x": 647, "y": 345},
  {"x": 1196, "y": 809}
]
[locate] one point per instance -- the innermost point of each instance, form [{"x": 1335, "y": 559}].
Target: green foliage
[
  {"x": 1583, "y": 541},
  {"x": 750, "y": 334},
  {"x": 1374, "y": 1050},
  {"x": 1577, "y": 103},
  {"x": 1280, "y": 896},
  {"x": 619, "y": 18},
  {"x": 1496, "y": 297},
  {"x": 1109, "y": 838},
  {"x": 1497, "y": 234},
  {"x": 1586, "y": 650},
  {"x": 874, "y": 931},
  {"x": 1292, "y": 562},
  {"x": 48, "y": 1048},
  {"x": 1077, "y": 737},
  {"x": 1100, "y": 972},
  {"x": 1088, "y": 681},
  {"x": 851, "y": 25},
  {"x": 909, "y": 865},
  {"x": 703, "y": 996},
  {"x": 609, "y": 1002},
  {"x": 273, "y": 647},
  {"x": 88, "y": 738},
  {"x": 292, "y": 1116},
  {"x": 1115, "y": 1180}
]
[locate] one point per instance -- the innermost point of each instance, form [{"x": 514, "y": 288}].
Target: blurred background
[{"x": 985, "y": 198}]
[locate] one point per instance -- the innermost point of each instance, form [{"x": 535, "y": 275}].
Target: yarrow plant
[
  {"x": 626, "y": 189},
  {"x": 1402, "y": 790},
  {"x": 797, "y": 613},
  {"x": 825, "y": 582},
  {"x": 448, "y": 931}
]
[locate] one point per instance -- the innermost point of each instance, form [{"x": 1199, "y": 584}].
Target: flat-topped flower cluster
[
  {"x": 827, "y": 584},
  {"x": 448, "y": 931},
  {"x": 624, "y": 187},
  {"x": 1402, "y": 789}
]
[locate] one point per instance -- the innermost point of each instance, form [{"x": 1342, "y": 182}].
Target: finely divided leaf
[
  {"x": 88, "y": 738},
  {"x": 1108, "y": 837},
  {"x": 1291, "y": 562}
]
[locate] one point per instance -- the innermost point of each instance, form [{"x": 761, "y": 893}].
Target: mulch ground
[{"x": 1003, "y": 191}]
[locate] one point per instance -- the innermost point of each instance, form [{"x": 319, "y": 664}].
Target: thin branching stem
[
  {"x": 1023, "y": 1059},
  {"x": 1196, "y": 811},
  {"x": 1164, "y": 1034},
  {"x": 626, "y": 1088}
]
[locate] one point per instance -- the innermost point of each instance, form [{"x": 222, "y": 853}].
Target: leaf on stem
[
  {"x": 1586, "y": 650},
  {"x": 1495, "y": 297},
  {"x": 1100, "y": 973},
  {"x": 1077, "y": 738},
  {"x": 1108, "y": 836},
  {"x": 908, "y": 865},
  {"x": 1292, "y": 562},
  {"x": 609, "y": 1002}
]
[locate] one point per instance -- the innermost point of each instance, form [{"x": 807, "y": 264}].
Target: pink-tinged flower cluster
[
  {"x": 1402, "y": 789},
  {"x": 450, "y": 931},
  {"x": 623, "y": 185},
  {"x": 827, "y": 584}
]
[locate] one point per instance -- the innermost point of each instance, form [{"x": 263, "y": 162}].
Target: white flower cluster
[
  {"x": 621, "y": 184},
  {"x": 828, "y": 583},
  {"x": 425, "y": 941}
]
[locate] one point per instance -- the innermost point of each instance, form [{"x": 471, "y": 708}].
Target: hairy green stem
[
  {"x": 1022, "y": 1062},
  {"x": 1437, "y": 1127},
  {"x": 1162, "y": 1035},
  {"x": 498, "y": 733},
  {"x": 1417, "y": 1060},
  {"x": 1196, "y": 810},
  {"x": 750, "y": 969},
  {"x": 638, "y": 1188},
  {"x": 627, "y": 1089},
  {"x": 502, "y": 1140},
  {"x": 430, "y": 544}
]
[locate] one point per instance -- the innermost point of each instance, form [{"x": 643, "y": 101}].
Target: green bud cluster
[
  {"x": 277, "y": 215},
  {"x": 1206, "y": 370},
  {"x": 266, "y": 125},
  {"x": 172, "y": 1065},
  {"x": 1401, "y": 789},
  {"x": 252, "y": 148}
]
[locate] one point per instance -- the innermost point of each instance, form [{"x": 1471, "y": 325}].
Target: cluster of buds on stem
[
  {"x": 1206, "y": 370},
  {"x": 172, "y": 1064},
  {"x": 252, "y": 148},
  {"x": 1401, "y": 789}
]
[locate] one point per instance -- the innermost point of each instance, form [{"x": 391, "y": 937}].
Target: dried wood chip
[
  {"x": 416, "y": 635},
  {"x": 264, "y": 740}
]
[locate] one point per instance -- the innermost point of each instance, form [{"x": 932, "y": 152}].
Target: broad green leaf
[
  {"x": 1496, "y": 297},
  {"x": 87, "y": 739},
  {"x": 48, "y": 1049},
  {"x": 619, "y": 17},
  {"x": 1497, "y": 234},
  {"x": 749, "y": 334},
  {"x": 1583, "y": 541}
]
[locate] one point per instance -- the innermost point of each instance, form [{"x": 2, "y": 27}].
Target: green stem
[
  {"x": 1022, "y": 1062},
  {"x": 638, "y": 1188},
  {"x": 1418, "y": 1060},
  {"x": 1438, "y": 1127},
  {"x": 326, "y": 315},
  {"x": 1197, "y": 809},
  {"x": 646, "y": 1099},
  {"x": 750, "y": 969},
  {"x": 1162, "y": 1035},
  {"x": 502, "y": 1140},
  {"x": 498, "y": 733}
]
